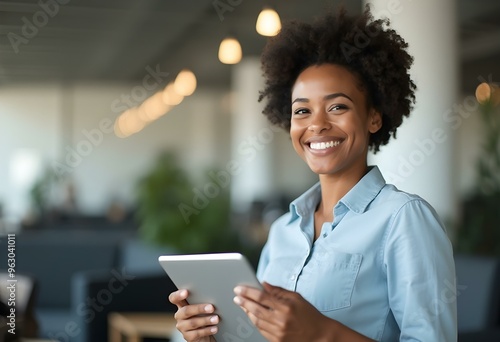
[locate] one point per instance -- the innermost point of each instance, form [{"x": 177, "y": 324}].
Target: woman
[{"x": 355, "y": 259}]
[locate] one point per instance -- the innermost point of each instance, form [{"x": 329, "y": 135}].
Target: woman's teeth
[{"x": 324, "y": 145}]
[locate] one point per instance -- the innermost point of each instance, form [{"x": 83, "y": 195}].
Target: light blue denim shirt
[{"x": 384, "y": 267}]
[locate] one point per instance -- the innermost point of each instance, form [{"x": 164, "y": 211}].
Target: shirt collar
[
  {"x": 365, "y": 191},
  {"x": 305, "y": 203},
  {"x": 357, "y": 199}
]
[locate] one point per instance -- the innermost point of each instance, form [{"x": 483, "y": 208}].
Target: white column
[
  {"x": 421, "y": 159},
  {"x": 202, "y": 138},
  {"x": 252, "y": 136}
]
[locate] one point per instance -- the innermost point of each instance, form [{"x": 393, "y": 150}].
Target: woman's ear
[{"x": 375, "y": 121}]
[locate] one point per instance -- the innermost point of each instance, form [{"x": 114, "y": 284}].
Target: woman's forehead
[{"x": 325, "y": 78}]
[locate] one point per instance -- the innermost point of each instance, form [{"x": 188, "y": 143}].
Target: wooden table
[{"x": 135, "y": 326}]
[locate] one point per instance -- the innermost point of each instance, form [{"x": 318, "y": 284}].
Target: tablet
[{"x": 211, "y": 278}]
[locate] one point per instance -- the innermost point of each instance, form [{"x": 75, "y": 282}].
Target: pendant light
[
  {"x": 185, "y": 83},
  {"x": 170, "y": 96},
  {"x": 487, "y": 92},
  {"x": 268, "y": 22},
  {"x": 230, "y": 51}
]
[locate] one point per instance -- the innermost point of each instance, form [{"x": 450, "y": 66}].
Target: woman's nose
[{"x": 319, "y": 122}]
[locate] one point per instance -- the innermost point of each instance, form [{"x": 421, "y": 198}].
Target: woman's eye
[
  {"x": 301, "y": 111},
  {"x": 338, "y": 107}
]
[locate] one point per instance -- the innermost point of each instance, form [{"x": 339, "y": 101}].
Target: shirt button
[
  {"x": 325, "y": 235},
  {"x": 293, "y": 277}
]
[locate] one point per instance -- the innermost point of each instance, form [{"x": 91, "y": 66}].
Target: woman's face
[{"x": 331, "y": 124}]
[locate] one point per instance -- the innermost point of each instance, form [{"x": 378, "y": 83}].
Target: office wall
[
  {"x": 112, "y": 169},
  {"x": 29, "y": 134},
  {"x": 69, "y": 129}
]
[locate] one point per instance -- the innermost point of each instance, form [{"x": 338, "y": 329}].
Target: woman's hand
[
  {"x": 282, "y": 315},
  {"x": 197, "y": 323}
]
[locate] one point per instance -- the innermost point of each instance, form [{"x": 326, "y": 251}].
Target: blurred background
[{"x": 130, "y": 129}]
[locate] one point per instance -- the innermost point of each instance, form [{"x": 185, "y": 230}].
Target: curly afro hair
[{"x": 368, "y": 48}]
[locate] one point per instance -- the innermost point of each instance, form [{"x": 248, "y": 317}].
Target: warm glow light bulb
[
  {"x": 122, "y": 129},
  {"x": 170, "y": 96},
  {"x": 185, "y": 83},
  {"x": 268, "y": 22},
  {"x": 128, "y": 123},
  {"x": 134, "y": 122},
  {"x": 118, "y": 127},
  {"x": 153, "y": 108},
  {"x": 488, "y": 93},
  {"x": 230, "y": 51}
]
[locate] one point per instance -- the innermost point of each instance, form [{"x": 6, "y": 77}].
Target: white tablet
[{"x": 211, "y": 278}]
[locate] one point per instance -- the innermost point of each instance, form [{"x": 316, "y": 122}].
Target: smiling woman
[
  {"x": 355, "y": 259},
  {"x": 326, "y": 122}
]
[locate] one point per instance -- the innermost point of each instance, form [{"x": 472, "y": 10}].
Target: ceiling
[{"x": 115, "y": 40}]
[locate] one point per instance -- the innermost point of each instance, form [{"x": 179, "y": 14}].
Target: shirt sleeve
[{"x": 418, "y": 259}]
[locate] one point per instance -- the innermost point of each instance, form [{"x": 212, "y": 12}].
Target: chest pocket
[{"x": 327, "y": 280}]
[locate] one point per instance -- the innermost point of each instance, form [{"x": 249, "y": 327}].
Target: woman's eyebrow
[
  {"x": 300, "y": 99},
  {"x": 326, "y": 97},
  {"x": 335, "y": 95}
]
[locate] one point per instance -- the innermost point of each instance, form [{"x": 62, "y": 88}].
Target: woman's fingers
[
  {"x": 258, "y": 296},
  {"x": 189, "y": 311},
  {"x": 178, "y": 298},
  {"x": 258, "y": 310},
  {"x": 263, "y": 308},
  {"x": 196, "y": 322},
  {"x": 200, "y": 334}
]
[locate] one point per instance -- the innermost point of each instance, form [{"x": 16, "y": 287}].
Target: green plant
[
  {"x": 479, "y": 231},
  {"x": 40, "y": 192},
  {"x": 159, "y": 195}
]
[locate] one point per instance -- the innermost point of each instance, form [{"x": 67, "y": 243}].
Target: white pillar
[
  {"x": 252, "y": 136},
  {"x": 421, "y": 159},
  {"x": 203, "y": 121}
]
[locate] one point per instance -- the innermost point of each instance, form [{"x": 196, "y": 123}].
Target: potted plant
[
  {"x": 479, "y": 231},
  {"x": 161, "y": 195}
]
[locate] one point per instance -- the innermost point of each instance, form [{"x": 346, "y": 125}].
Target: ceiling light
[
  {"x": 268, "y": 22},
  {"x": 119, "y": 126},
  {"x": 128, "y": 123},
  {"x": 170, "y": 96},
  {"x": 185, "y": 83},
  {"x": 488, "y": 93},
  {"x": 153, "y": 108},
  {"x": 230, "y": 51}
]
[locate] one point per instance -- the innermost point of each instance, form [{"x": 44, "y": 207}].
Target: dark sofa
[
  {"x": 82, "y": 275},
  {"x": 478, "y": 298},
  {"x": 93, "y": 299}
]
